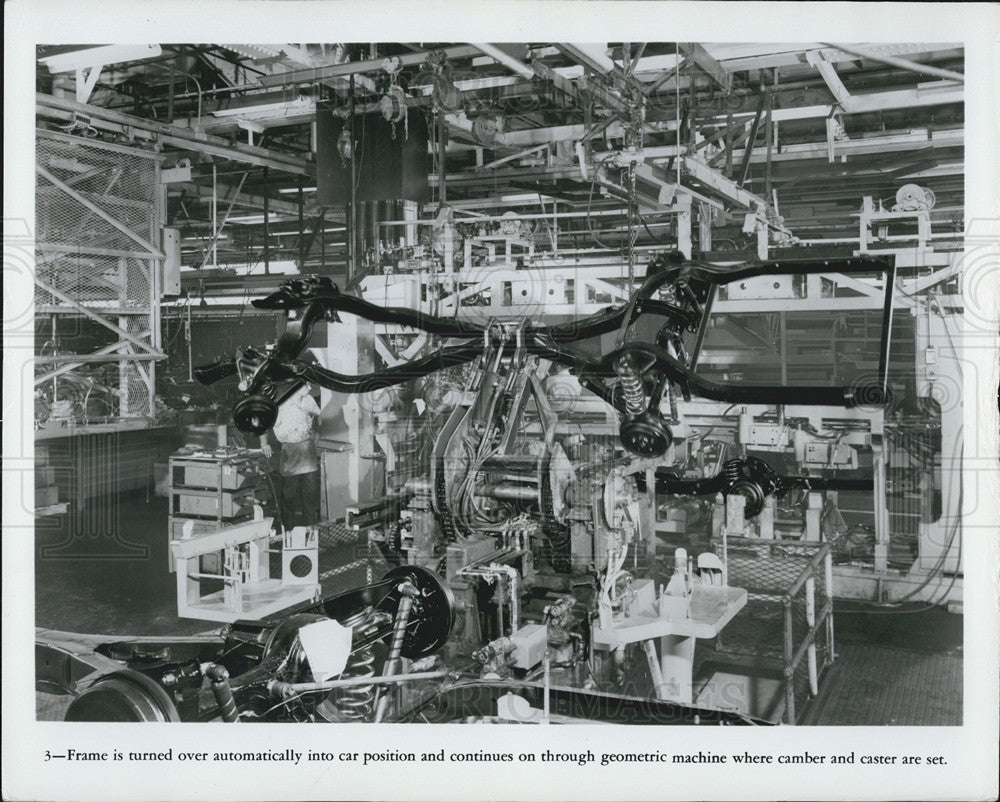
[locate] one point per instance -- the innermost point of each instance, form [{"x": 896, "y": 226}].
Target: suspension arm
[
  {"x": 667, "y": 482},
  {"x": 216, "y": 372},
  {"x": 691, "y": 383},
  {"x": 753, "y": 479}
]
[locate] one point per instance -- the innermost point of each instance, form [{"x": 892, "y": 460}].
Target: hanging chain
[{"x": 631, "y": 226}]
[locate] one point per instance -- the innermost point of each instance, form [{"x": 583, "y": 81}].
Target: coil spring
[
  {"x": 672, "y": 398},
  {"x": 445, "y": 519},
  {"x": 557, "y": 534},
  {"x": 633, "y": 391},
  {"x": 355, "y": 703},
  {"x": 733, "y": 471}
]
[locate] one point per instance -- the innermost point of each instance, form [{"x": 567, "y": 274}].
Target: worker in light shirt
[{"x": 296, "y": 432}]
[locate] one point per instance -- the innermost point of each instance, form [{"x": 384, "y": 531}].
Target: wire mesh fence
[
  {"x": 787, "y": 623},
  {"x": 346, "y": 559},
  {"x": 97, "y": 222}
]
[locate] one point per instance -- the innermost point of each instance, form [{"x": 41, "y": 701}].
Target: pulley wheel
[
  {"x": 753, "y": 494},
  {"x": 255, "y": 414},
  {"x": 869, "y": 395},
  {"x": 123, "y": 696},
  {"x": 646, "y": 436},
  {"x": 432, "y": 615}
]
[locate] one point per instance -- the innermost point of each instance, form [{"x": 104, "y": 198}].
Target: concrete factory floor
[{"x": 891, "y": 668}]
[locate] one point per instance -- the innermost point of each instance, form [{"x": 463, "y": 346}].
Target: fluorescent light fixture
[
  {"x": 305, "y": 233},
  {"x": 524, "y": 197},
  {"x": 298, "y": 104},
  {"x": 99, "y": 56},
  {"x": 208, "y": 238},
  {"x": 276, "y": 268},
  {"x": 293, "y": 190},
  {"x": 250, "y": 219}
]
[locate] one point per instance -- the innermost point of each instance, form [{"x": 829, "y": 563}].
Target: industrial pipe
[
  {"x": 507, "y": 60},
  {"x": 285, "y": 689},
  {"x": 902, "y": 63},
  {"x": 508, "y": 492}
]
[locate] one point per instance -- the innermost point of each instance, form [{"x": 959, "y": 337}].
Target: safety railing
[{"x": 786, "y": 628}]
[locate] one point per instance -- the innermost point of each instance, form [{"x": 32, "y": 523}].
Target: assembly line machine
[{"x": 597, "y": 500}]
